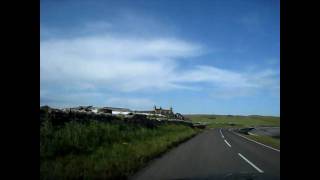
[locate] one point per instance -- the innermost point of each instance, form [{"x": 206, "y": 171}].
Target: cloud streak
[{"x": 132, "y": 64}]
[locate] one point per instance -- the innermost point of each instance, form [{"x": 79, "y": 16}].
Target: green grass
[
  {"x": 103, "y": 151},
  {"x": 217, "y": 121},
  {"x": 267, "y": 140}
]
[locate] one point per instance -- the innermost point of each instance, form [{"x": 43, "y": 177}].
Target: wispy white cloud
[
  {"x": 218, "y": 76},
  {"x": 122, "y": 64},
  {"x": 127, "y": 63}
]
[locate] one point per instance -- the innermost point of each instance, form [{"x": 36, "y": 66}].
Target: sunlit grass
[{"x": 103, "y": 151}]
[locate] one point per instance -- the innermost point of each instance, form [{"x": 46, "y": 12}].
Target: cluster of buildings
[
  {"x": 155, "y": 112},
  {"x": 158, "y": 111}
]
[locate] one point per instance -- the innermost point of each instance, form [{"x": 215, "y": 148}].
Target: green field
[
  {"x": 99, "y": 150},
  {"x": 216, "y": 121}
]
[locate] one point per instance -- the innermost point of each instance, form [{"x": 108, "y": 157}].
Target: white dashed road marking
[
  {"x": 221, "y": 134},
  {"x": 227, "y": 143},
  {"x": 258, "y": 169}
]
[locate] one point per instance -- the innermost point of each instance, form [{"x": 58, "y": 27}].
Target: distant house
[
  {"x": 148, "y": 113},
  {"x": 87, "y": 109},
  {"x": 95, "y": 110},
  {"x": 165, "y": 112},
  {"x": 113, "y": 110},
  {"x": 105, "y": 110}
]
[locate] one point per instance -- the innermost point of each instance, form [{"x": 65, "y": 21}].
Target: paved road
[{"x": 215, "y": 154}]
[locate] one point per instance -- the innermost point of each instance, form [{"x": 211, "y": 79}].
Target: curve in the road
[
  {"x": 258, "y": 142},
  {"x": 215, "y": 154}
]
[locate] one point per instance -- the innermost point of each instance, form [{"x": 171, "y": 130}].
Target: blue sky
[{"x": 214, "y": 57}]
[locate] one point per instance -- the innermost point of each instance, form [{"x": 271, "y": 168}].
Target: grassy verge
[
  {"x": 103, "y": 151},
  {"x": 267, "y": 140}
]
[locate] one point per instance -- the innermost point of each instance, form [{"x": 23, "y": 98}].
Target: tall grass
[{"x": 99, "y": 150}]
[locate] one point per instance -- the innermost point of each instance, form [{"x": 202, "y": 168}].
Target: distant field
[{"x": 237, "y": 121}]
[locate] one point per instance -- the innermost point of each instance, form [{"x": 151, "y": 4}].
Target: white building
[{"x": 116, "y": 111}]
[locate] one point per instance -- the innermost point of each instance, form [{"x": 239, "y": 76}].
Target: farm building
[
  {"x": 157, "y": 111},
  {"x": 166, "y": 112}
]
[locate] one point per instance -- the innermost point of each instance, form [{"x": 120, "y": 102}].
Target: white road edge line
[
  {"x": 258, "y": 169},
  {"x": 221, "y": 134},
  {"x": 258, "y": 142},
  {"x": 227, "y": 143},
  {"x": 252, "y": 134}
]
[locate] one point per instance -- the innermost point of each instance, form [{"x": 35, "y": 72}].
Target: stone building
[
  {"x": 165, "y": 112},
  {"x": 158, "y": 111}
]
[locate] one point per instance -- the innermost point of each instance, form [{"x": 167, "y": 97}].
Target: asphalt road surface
[{"x": 215, "y": 154}]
